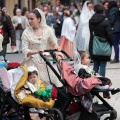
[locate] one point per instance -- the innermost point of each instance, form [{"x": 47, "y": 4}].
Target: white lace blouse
[{"x": 31, "y": 42}]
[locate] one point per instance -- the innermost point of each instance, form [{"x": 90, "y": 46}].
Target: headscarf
[
  {"x": 78, "y": 65},
  {"x": 43, "y": 23},
  {"x": 83, "y": 33},
  {"x": 36, "y": 86}
]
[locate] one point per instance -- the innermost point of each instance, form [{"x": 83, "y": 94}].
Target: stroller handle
[
  {"x": 52, "y": 51},
  {"x": 49, "y": 64},
  {"x": 62, "y": 51}
]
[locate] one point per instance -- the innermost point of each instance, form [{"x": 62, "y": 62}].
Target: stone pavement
[{"x": 112, "y": 72}]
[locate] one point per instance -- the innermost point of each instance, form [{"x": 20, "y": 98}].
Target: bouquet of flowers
[
  {"x": 13, "y": 65},
  {"x": 50, "y": 92}
]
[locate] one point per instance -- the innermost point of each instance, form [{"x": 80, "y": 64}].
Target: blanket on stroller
[
  {"x": 30, "y": 100},
  {"x": 78, "y": 86}
]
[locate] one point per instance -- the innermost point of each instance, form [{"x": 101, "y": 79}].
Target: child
[
  {"x": 35, "y": 86},
  {"x": 83, "y": 70}
]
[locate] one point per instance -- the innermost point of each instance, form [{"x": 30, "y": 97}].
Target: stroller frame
[
  {"x": 98, "y": 110},
  {"x": 22, "y": 111}
]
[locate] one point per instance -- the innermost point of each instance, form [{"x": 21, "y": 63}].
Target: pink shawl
[{"x": 76, "y": 85}]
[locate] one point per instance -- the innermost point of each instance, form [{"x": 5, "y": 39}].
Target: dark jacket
[
  {"x": 114, "y": 18},
  {"x": 101, "y": 27},
  {"x": 8, "y": 30}
]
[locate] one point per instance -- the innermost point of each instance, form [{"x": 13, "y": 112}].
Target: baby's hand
[
  {"x": 92, "y": 76},
  {"x": 23, "y": 91},
  {"x": 97, "y": 74},
  {"x": 41, "y": 50}
]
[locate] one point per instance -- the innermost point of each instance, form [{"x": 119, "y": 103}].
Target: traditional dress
[
  {"x": 83, "y": 32},
  {"x": 67, "y": 36},
  {"x": 32, "y": 42}
]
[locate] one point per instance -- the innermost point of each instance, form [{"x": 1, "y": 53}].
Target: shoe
[
  {"x": 114, "y": 91},
  {"x": 106, "y": 95},
  {"x": 114, "y": 61},
  {"x": 16, "y": 52}
]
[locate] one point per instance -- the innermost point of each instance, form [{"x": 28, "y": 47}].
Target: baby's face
[
  {"x": 33, "y": 78},
  {"x": 86, "y": 60}
]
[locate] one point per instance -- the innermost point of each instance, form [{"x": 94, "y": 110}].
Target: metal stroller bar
[{"x": 49, "y": 64}]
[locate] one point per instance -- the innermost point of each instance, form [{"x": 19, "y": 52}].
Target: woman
[
  {"x": 83, "y": 33},
  {"x": 114, "y": 18},
  {"x": 105, "y": 4},
  {"x": 68, "y": 34},
  {"x": 19, "y": 23},
  {"x": 36, "y": 37},
  {"x": 101, "y": 27}
]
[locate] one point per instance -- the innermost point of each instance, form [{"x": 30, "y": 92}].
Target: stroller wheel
[
  {"x": 54, "y": 114},
  {"x": 108, "y": 118}
]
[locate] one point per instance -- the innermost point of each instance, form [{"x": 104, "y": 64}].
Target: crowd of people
[{"x": 72, "y": 27}]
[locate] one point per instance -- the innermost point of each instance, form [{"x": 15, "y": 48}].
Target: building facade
[{"x": 30, "y": 4}]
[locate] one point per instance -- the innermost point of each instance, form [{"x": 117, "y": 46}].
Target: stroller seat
[{"x": 10, "y": 100}]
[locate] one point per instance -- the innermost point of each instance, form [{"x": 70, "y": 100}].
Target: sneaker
[
  {"x": 115, "y": 90},
  {"x": 41, "y": 111},
  {"x": 32, "y": 110},
  {"x": 114, "y": 61}
]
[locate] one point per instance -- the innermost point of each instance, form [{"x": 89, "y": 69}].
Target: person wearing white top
[
  {"x": 83, "y": 32},
  {"x": 68, "y": 34},
  {"x": 19, "y": 23}
]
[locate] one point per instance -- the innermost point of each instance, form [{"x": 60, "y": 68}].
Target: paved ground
[{"x": 112, "y": 72}]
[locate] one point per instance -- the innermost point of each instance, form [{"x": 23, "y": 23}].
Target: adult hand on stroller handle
[
  {"x": 51, "y": 50},
  {"x": 55, "y": 50}
]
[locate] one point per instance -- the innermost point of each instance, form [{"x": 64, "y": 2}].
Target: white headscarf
[
  {"x": 36, "y": 86},
  {"x": 78, "y": 65},
  {"x": 83, "y": 33},
  {"x": 43, "y": 22}
]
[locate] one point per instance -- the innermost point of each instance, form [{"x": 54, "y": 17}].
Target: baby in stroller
[
  {"x": 35, "y": 87},
  {"x": 83, "y": 70},
  {"x": 22, "y": 88}
]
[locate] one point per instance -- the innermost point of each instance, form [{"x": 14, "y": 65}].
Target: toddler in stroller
[
  {"x": 83, "y": 70},
  {"x": 25, "y": 99}
]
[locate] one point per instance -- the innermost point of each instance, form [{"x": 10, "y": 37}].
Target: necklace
[{"x": 35, "y": 29}]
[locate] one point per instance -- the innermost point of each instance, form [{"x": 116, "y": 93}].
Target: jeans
[
  {"x": 18, "y": 40},
  {"x": 100, "y": 67},
  {"x": 3, "y": 52},
  {"x": 116, "y": 38}
]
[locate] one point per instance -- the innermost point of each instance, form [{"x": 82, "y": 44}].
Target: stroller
[
  {"x": 67, "y": 94},
  {"x": 11, "y": 108}
]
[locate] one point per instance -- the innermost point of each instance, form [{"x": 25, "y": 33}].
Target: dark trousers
[
  {"x": 99, "y": 67},
  {"x": 116, "y": 38},
  {"x": 3, "y": 52}
]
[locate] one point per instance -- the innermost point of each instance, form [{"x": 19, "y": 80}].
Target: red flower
[
  {"x": 13, "y": 65},
  {"x": 1, "y": 31},
  {"x": 54, "y": 93},
  {"x": 74, "y": 108}
]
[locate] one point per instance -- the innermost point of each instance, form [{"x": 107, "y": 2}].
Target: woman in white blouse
[
  {"x": 36, "y": 37},
  {"x": 19, "y": 23},
  {"x": 68, "y": 33}
]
